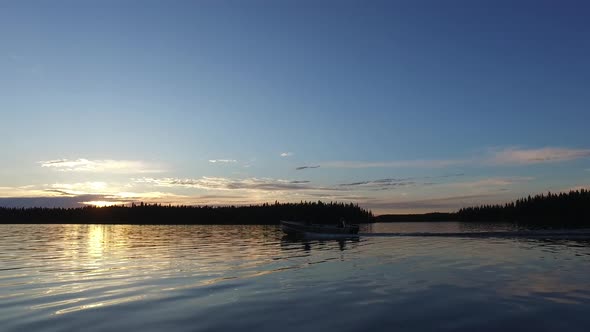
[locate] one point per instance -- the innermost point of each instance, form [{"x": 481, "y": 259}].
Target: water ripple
[{"x": 149, "y": 278}]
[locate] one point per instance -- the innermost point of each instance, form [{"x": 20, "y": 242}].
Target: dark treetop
[
  {"x": 317, "y": 212},
  {"x": 563, "y": 209},
  {"x": 570, "y": 209}
]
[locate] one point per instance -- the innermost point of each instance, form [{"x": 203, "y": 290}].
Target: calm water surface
[{"x": 220, "y": 278}]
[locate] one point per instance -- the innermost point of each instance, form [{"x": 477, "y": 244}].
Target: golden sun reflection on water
[
  {"x": 74, "y": 273},
  {"x": 96, "y": 238}
]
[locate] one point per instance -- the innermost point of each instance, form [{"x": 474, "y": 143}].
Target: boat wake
[{"x": 537, "y": 234}]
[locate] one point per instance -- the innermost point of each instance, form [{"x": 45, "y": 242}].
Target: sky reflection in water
[{"x": 192, "y": 278}]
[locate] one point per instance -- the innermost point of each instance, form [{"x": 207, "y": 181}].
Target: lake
[{"x": 223, "y": 278}]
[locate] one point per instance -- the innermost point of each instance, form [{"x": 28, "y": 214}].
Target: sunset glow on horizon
[
  {"x": 102, "y": 203},
  {"x": 398, "y": 107}
]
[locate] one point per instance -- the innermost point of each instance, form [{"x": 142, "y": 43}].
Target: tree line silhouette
[
  {"x": 570, "y": 209},
  {"x": 563, "y": 209},
  {"x": 142, "y": 213}
]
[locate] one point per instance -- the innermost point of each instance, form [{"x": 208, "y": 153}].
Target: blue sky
[{"x": 405, "y": 106}]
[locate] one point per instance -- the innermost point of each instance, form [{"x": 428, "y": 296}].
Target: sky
[{"x": 399, "y": 106}]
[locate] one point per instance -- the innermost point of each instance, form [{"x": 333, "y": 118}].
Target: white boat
[{"x": 299, "y": 228}]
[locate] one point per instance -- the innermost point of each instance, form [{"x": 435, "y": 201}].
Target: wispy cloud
[
  {"x": 394, "y": 164},
  {"x": 48, "y": 201},
  {"x": 223, "y": 161},
  {"x": 25, "y": 191},
  {"x": 390, "y": 183},
  {"x": 515, "y": 156},
  {"x": 381, "y": 183},
  {"x": 105, "y": 190},
  {"x": 287, "y": 154},
  {"x": 306, "y": 167},
  {"x": 490, "y": 182},
  {"x": 57, "y": 198},
  {"x": 219, "y": 183},
  {"x": 106, "y": 166},
  {"x": 498, "y": 157},
  {"x": 141, "y": 195},
  {"x": 479, "y": 185},
  {"x": 80, "y": 187}
]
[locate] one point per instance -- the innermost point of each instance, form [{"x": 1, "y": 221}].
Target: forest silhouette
[
  {"x": 316, "y": 212},
  {"x": 562, "y": 209},
  {"x": 570, "y": 209}
]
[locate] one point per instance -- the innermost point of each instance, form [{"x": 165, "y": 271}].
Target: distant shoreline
[
  {"x": 554, "y": 210},
  {"x": 424, "y": 217},
  {"x": 570, "y": 209},
  {"x": 156, "y": 214}
]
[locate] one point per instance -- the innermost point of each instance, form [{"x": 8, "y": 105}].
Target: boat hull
[{"x": 317, "y": 230}]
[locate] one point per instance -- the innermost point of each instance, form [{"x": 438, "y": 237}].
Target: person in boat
[{"x": 342, "y": 223}]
